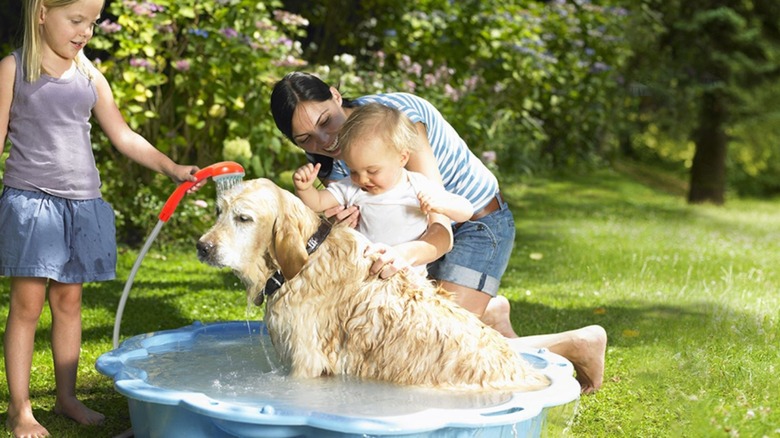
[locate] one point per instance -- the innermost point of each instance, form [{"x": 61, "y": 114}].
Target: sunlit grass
[{"x": 688, "y": 295}]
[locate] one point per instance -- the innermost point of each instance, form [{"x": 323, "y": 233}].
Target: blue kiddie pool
[{"x": 224, "y": 380}]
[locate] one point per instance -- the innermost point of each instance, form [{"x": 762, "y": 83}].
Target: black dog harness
[{"x": 277, "y": 280}]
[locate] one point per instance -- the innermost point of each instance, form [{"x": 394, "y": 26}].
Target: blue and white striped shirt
[{"x": 461, "y": 171}]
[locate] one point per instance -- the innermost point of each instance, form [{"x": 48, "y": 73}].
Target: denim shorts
[
  {"x": 480, "y": 252},
  {"x": 70, "y": 241}
]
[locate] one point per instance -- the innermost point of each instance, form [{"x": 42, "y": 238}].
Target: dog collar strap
[
  {"x": 316, "y": 240},
  {"x": 277, "y": 280}
]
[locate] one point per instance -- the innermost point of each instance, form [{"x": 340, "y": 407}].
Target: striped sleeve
[{"x": 462, "y": 172}]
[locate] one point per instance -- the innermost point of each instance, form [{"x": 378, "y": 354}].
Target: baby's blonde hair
[
  {"x": 32, "y": 45},
  {"x": 393, "y": 127}
]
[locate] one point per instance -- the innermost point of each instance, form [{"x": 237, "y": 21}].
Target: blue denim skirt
[
  {"x": 70, "y": 241},
  {"x": 480, "y": 252}
]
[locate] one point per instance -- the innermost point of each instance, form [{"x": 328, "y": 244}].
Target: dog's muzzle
[{"x": 205, "y": 251}]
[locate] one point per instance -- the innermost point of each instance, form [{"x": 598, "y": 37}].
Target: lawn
[{"x": 688, "y": 296}]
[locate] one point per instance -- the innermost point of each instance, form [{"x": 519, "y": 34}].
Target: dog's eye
[
  {"x": 243, "y": 218},
  {"x": 219, "y": 212}
]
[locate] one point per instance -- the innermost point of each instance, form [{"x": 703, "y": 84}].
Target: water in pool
[{"x": 245, "y": 370}]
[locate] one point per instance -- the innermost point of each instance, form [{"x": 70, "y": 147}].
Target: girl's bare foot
[
  {"x": 23, "y": 424},
  {"x": 72, "y": 408}
]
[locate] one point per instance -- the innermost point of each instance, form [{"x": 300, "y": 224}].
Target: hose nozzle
[{"x": 226, "y": 174}]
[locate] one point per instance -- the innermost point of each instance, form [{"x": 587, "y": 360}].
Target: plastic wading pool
[{"x": 224, "y": 380}]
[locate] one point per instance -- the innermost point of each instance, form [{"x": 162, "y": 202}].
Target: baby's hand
[
  {"x": 429, "y": 203},
  {"x": 303, "y": 178}
]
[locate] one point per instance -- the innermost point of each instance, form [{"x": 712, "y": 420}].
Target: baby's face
[{"x": 374, "y": 167}]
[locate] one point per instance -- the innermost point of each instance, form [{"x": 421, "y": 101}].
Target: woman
[{"x": 468, "y": 262}]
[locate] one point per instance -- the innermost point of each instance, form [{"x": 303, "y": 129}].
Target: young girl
[
  {"x": 55, "y": 229},
  {"x": 394, "y": 203}
]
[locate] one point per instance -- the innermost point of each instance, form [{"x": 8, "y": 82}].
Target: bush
[
  {"x": 536, "y": 83},
  {"x": 192, "y": 76}
]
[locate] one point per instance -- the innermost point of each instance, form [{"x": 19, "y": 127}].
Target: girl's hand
[
  {"x": 181, "y": 174},
  {"x": 304, "y": 177},
  {"x": 386, "y": 261}
]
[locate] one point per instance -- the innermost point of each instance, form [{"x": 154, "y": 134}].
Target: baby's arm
[
  {"x": 455, "y": 207},
  {"x": 317, "y": 200}
]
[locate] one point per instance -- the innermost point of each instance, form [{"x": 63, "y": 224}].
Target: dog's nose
[{"x": 204, "y": 249}]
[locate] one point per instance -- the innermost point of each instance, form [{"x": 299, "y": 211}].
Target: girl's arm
[
  {"x": 7, "y": 76},
  {"x": 130, "y": 143}
]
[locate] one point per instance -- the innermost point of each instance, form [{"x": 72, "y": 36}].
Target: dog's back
[
  {"x": 332, "y": 317},
  {"x": 336, "y": 318}
]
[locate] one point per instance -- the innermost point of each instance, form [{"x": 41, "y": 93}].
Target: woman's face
[{"x": 315, "y": 125}]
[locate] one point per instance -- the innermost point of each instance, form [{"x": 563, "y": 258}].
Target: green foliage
[
  {"x": 727, "y": 49},
  {"x": 536, "y": 83},
  {"x": 192, "y": 76}
]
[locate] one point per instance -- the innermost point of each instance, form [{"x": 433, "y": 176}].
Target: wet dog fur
[{"x": 333, "y": 317}]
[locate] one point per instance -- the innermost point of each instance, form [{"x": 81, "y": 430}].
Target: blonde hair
[
  {"x": 32, "y": 56},
  {"x": 393, "y": 127}
]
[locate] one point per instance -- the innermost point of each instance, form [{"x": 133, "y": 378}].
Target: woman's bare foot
[
  {"x": 23, "y": 424},
  {"x": 72, "y": 408},
  {"x": 584, "y": 348},
  {"x": 587, "y": 356},
  {"x": 497, "y": 316}
]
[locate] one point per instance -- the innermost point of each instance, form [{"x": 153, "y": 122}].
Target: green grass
[{"x": 688, "y": 295}]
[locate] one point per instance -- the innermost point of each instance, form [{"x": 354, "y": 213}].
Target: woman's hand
[
  {"x": 386, "y": 261},
  {"x": 348, "y": 215}
]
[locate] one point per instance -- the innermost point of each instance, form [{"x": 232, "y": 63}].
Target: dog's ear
[{"x": 289, "y": 248}]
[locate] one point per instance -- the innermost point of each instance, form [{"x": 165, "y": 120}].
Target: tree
[{"x": 712, "y": 54}]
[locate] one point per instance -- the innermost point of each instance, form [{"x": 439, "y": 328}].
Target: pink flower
[
  {"x": 141, "y": 63},
  {"x": 182, "y": 65},
  {"x": 108, "y": 26}
]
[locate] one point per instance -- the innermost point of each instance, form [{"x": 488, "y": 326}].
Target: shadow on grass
[
  {"x": 627, "y": 325},
  {"x": 154, "y": 305}
]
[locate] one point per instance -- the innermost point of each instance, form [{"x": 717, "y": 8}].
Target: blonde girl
[{"x": 55, "y": 230}]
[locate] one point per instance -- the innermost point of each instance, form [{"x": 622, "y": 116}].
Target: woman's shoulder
[{"x": 396, "y": 96}]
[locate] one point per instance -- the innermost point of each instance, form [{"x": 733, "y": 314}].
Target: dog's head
[{"x": 260, "y": 229}]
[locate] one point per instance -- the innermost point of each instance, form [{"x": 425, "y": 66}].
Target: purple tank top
[{"x": 49, "y": 130}]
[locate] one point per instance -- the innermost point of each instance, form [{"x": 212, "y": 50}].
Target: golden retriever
[{"x": 331, "y": 316}]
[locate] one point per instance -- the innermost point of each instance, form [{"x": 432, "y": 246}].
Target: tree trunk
[{"x": 708, "y": 171}]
